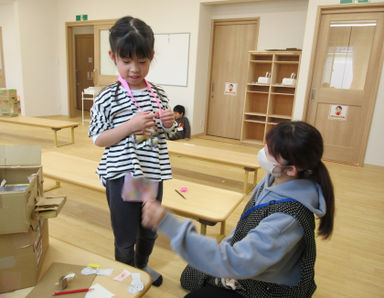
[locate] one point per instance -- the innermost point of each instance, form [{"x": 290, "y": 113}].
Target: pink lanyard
[{"x": 126, "y": 86}]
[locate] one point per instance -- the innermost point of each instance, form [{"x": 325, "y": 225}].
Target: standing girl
[
  {"x": 271, "y": 252},
  {"x": 130, "y": 119}
]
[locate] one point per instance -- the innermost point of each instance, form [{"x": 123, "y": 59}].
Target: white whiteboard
[{"x": 170, "y": 63}]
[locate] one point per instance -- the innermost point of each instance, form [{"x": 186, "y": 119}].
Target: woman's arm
[{"x": 263, "y": 247}]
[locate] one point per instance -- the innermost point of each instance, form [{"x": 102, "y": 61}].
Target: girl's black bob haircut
[{"x": 131, "y": 37}]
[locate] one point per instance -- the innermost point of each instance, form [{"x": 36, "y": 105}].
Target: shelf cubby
[
  {"x": 283, "y": 70},
  {"x": 253, "y": 131},
  {"x": 281, "y": 104},
  {"x": 295, "y": 58},
  {"x": 256, "y": 103},
  {"x": 254, "y": 117},
  {"x": 260, "y": 57},
  {"x": 259, "y": 69},
  {"x": 283, "y": 89},
  {"x": 275, "y": 119},
  {"x": 257, "y": 88}
]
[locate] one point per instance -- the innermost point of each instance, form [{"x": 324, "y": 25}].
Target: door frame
[
  {"x": 210, "y": 59},
  {"x": 345, "y": 9},
  {"x": 2, "y": 57},
  {"x": 71, "y": 75}
]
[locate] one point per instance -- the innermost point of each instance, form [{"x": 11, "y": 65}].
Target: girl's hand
[
  {"x": 167, "y": 117},
  {"x": 142, "y": 121},
  {"x": 152, "y": 214}
]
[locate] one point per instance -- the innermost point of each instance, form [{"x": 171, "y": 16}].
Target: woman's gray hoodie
[{"x": 270, "y": 252}]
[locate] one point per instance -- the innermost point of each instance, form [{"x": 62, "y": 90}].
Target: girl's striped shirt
[{"x": 111, "y": 108}]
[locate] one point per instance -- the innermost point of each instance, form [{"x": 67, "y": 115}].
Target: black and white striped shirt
[{"x": 112, "y": 107}]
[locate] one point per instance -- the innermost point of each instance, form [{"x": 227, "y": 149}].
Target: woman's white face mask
[{"x": 274, "y": 169}]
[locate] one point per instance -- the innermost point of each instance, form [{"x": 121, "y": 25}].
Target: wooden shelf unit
[{"x": 266, "y": 105}]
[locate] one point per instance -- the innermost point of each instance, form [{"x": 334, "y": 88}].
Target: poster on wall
[
  {"x": 230, "y": 89},
  {"x": 338, "y": 112}
]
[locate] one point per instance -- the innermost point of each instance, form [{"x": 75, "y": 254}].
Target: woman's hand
[
  {"x": 142, "y": 121},
  {"x": 152, "y": 214},
  {"x": 167, "y": 117}
]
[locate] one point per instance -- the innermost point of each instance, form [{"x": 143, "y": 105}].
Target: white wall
[
  {"x": 375, "y": 148},
  {"x": 39, "y": 56},
  {"x": 202, "y": 71},
  {"x": 281, "y": 22},
  {"x": 11, "y": 46}
]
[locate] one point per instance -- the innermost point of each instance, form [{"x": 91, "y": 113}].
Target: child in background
[
  {"x": 272, "y": 251},
  {"x": 130, "y": 118},
  {"x": 183, "y": 128}
]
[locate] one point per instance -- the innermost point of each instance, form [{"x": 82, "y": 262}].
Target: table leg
[
  {"x": 246, "y": 190},
  {"x": 221, "y": 236},
  {"x": 255, "y": 178},
  {"x": 245, "y": 187},
  {"x": 82, "y": 108},
  {"x": 203, "y": 229},
  {"x": 55, "y": 136},
  {"x": 73, "y": 135}
]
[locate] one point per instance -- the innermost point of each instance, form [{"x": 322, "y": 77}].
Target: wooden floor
[{"x": 351, "y": 264}]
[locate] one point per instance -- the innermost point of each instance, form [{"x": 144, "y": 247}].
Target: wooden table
[
  {"x": 227, "y": 157},
  {"x": 53, "y": 124},
  {"x": 62, "y": 252},
  {"x": 209, "y": 205}
]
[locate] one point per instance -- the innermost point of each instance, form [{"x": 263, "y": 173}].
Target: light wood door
[
  {"x": 231, "y": 42},
  {"x": 2, "y": 71},
  {"x": 84, "y": 59},
  {"x": 105, "y": 70},
  {"x": 347, "y": 67}
]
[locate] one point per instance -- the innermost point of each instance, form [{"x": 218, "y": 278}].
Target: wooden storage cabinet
[{"x": 269, "y": 102}]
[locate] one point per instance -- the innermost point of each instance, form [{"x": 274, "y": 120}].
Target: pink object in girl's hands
[{"x": 183, "y": 189}]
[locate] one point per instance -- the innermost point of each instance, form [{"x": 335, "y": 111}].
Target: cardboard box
[
  {"x": 9, "y": 105},
  {"x": 22, "y": 256},
  {"x": 19, "y": 165}
]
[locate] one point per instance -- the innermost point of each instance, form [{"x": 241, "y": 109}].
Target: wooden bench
[
  {"x": 209, "y": 205},
  {"x": 238, "y": 159},
  {"x": 55, "y": 125}
]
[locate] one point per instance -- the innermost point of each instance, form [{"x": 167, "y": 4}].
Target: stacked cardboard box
[
  {"x": 23, "y": 230},
  {"x": 9, "y": 105}
]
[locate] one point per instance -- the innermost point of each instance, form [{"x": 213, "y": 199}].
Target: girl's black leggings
[{"x": 127, "y": 228}]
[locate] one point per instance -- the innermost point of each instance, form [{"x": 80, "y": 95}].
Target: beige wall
[{"x": 35, "y": 55}]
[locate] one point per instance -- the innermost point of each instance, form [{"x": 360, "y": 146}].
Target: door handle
[
  {"x": 212, "y": 89},
  {"x": 313, "y": 93}
]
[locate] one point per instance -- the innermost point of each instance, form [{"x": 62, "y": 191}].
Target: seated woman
[{"x": 272, "y": 251}]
